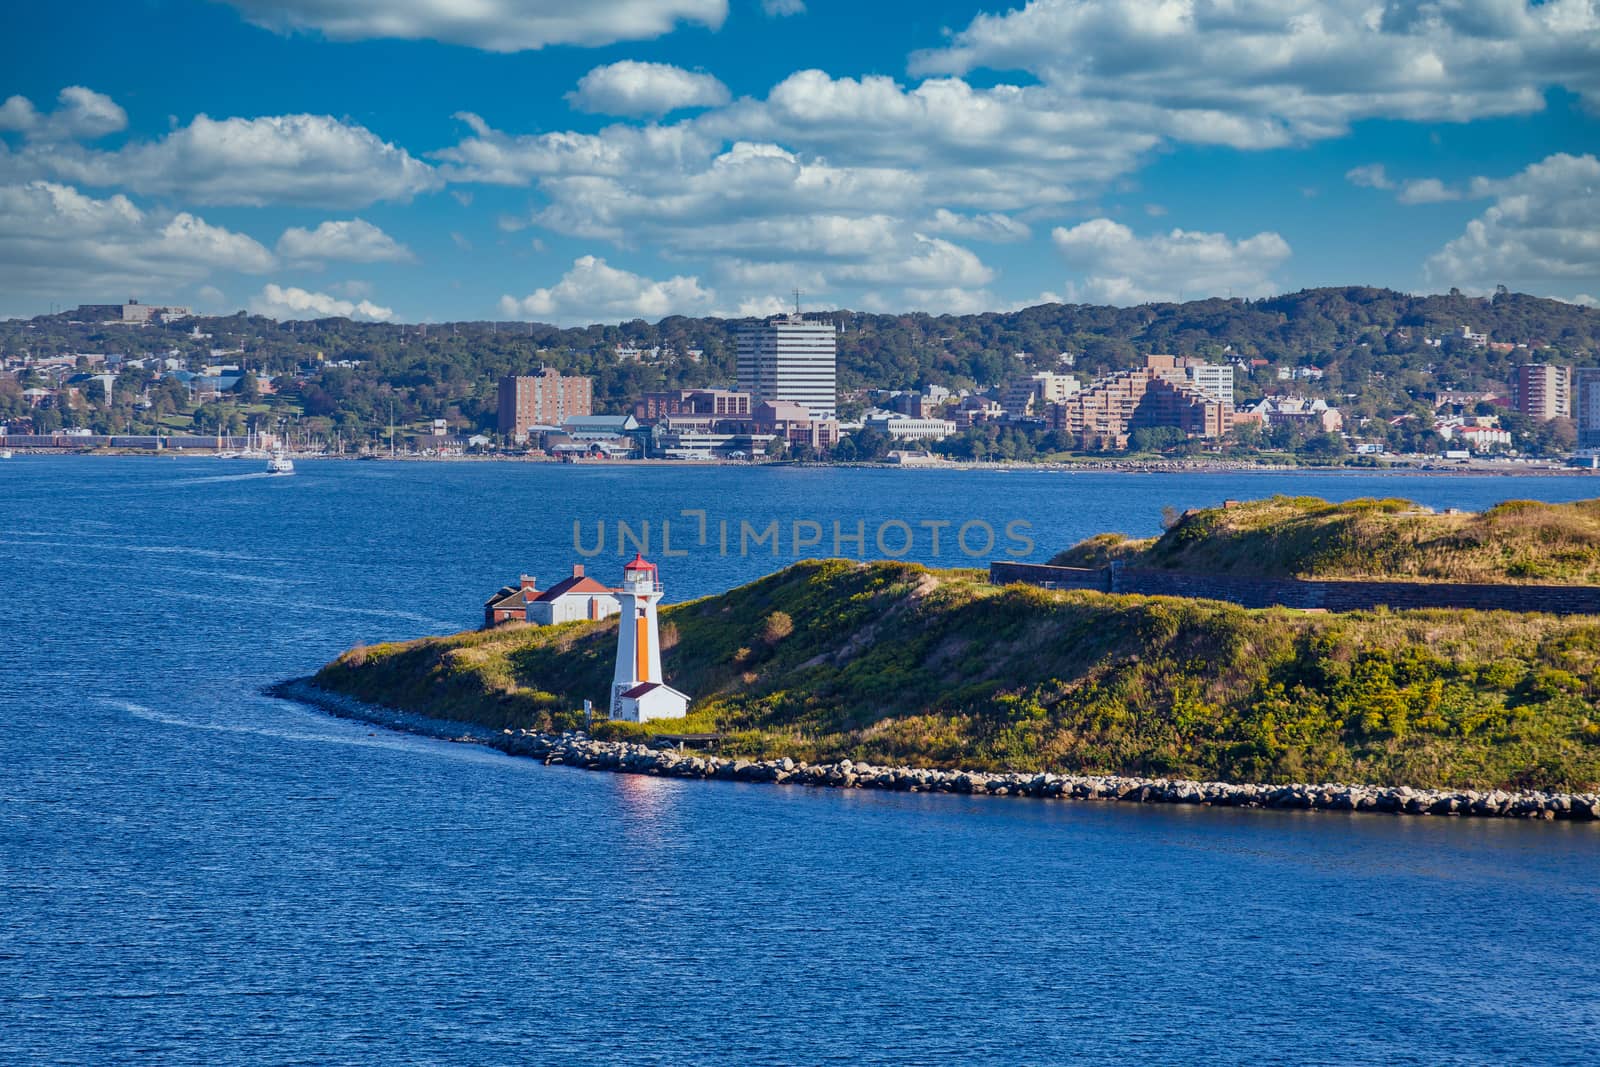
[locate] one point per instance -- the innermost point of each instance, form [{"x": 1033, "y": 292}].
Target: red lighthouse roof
[{"x": 639, "y": 563}]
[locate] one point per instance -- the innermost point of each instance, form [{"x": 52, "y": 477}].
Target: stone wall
[{"x": 1294, "y": 593}]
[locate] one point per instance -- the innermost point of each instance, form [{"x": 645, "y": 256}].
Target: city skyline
[{"x": 699, "y": 157}]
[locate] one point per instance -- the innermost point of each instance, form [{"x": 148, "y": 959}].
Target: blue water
[{"x": 194, "y": 873}]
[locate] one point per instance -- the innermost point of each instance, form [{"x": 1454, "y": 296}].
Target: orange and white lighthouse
[{"x": 638, "y": 690}]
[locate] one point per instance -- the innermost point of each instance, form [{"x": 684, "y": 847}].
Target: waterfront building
[
  {"x": 1032, "y": 395},
  {"x": 1586, "y": 405},
  {"x": 543, "y": 399},
  {"x": 1542, "y": 391},
  {"x": 639, "y": 692},
  {"x": 1104, "y": 415},
  {"x": 574, "y": 597},
  {"x": 975, "y": 409},
  {"x": 795, "y": 424},
  {"x": 790, "y": 359},
  {"x": 1315, "y": 415},
  {"x": 910, "y": 429},
  {"x": 719, "y": 403}
]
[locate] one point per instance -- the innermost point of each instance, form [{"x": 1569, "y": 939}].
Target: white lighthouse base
[{"x": 650, "y": 700}]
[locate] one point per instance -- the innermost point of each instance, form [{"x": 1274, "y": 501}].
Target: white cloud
[
  {"x": 991, "y": 226},
  {"x": 57, "y": 242},
  {"x": 350, "y": 240},
  {"x": 952, "y": 301},
  {"x": 1584, "y": 300},
  {"x": 593, "y": 291},
  {"x": 633, "y": 88},
  {"x": 783, "y": 8},
  {"x": 1415, "y": 191},
  {"x": 288, "y": 302},
  {"x": 1426, "y": 191},
  {"x": 281, "y": 159},
  {"x": 1308, "y": 66},
  {"x": 927, "y": 261},
  {"x": 491, "y": 25},
  {"x": 1123, "y": 268},
  {"x": 1370, "y": 176},
  {"x": 80, "y": 114},
  {"x": 755, "y": 307},
  {"x": 676, "y": 190},
  {"x": 1544, "y": 225}
]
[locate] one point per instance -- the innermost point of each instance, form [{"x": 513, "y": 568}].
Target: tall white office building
[
  {"x": 1213, "y": 379},
  {"x": 790, "y": 358}
]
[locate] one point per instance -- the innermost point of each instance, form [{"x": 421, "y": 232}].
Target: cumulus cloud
[
  {"x": 56, "y": 240},
  {"x": 1120, "y": 267},
  {"x": 951, "y": 301},
  {"x": 633, "y": 88},
  {"x": 991, "y": 226},
  {"x": 281, "y": 159},
  {"x": 755, "y": 307},
  {"x": 289, "y": 302},
  {"x": 1544, "y": 225},
  {"x": 80, "y": 114},
  {"x": 1370, "y": 176},
  {"x": 594, "y": 291},
  {"x": 678, "y": 190},
  {"x": 1427, "y": 191},
  {"x": 350, "y": 240},
  {"x": 1309, "y": 66},
  {"x": 490, "y": 25},
  {"x": 1414, "y": 191}
]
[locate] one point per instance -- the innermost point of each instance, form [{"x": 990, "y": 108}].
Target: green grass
[
  {"x": 1305, "y": 537},
  {"x": 890, "y": 662}
]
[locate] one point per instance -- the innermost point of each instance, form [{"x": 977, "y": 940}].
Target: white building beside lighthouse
[{"x": 638, "y": 690}]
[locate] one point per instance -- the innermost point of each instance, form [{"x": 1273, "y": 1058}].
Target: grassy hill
[
  {"x": 1304, "y": 537},
  {"x": 890, "y": 662}
]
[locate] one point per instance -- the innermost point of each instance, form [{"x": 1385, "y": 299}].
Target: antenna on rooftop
[{"x": 797, "y": 303}]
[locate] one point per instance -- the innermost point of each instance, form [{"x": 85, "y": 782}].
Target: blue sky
[{"x": 423, "y": 160}]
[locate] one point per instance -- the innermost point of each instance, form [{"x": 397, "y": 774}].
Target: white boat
[
  {"x": 280, "y": 463},
  {"x": 5, "y": 453}
]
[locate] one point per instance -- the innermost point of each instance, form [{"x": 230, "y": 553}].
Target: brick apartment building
[
  {"x": 542, "y": 399},
  {"x": 713, "y": 403},
  {"x": 1106, "y": 413}
]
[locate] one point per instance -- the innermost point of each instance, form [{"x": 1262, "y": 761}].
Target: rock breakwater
[{"x": 578, "y": 750}]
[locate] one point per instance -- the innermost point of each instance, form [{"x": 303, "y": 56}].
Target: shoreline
[
  {"x": 1418, "y": 468},
  {"x": 576, "y": 750}
]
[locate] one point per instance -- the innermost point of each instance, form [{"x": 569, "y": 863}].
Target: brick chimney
[
  {"x": 577, "y": 570},
  {"x": 529, "y": 581}
]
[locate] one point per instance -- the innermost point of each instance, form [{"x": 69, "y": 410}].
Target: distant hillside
[
  {"x": 1365, "y": 341},
  {"x": 889, "y": 662},
  {"x": 1304, "y": 537}
]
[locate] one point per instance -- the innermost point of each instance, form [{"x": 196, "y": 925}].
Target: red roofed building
[{"x": 574, "y": 597}]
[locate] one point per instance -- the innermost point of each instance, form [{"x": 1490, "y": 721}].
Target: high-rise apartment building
[
  {"x": 1035, "y": 394},
  {"x": 543, "y": 399},
  {"x": 1213, "y": 379},
  {"x": 790, "y": 359},
  {"x": 1542, "y": 391},
  {"x": 1586, "y": 406},
  {"x": 1104, "y": 415}
]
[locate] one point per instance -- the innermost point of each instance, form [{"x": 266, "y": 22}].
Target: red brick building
[{"x": 543, "y": 399}]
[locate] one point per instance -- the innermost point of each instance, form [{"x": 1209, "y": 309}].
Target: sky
[{"x": 430, "y": 160}]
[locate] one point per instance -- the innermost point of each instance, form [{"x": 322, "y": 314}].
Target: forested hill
[{"x": 1367, "y": 341}]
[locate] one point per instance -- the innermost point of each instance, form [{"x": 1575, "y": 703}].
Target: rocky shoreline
[{"x": 577, "y": 750}]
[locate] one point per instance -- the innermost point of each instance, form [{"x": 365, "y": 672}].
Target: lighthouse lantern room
[{"x": 638, "y": 690}]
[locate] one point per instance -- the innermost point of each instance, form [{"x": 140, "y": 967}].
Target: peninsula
[{"x": 893, "y": 664}]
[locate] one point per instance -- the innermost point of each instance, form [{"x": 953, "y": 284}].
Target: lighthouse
[{"x": 638, "y": 690}]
